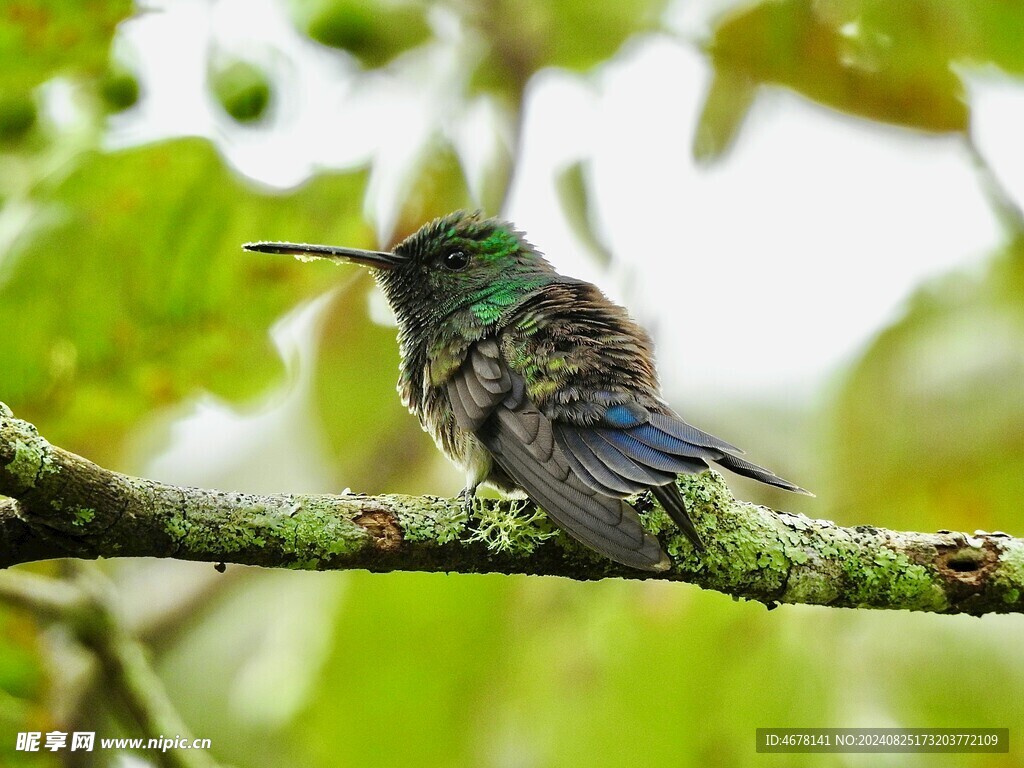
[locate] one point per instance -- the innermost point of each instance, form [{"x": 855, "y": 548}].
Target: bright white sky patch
[{"x": 997, "y": 124}]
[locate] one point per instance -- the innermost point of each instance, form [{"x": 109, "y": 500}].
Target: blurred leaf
[
  {"x": 496, "y": 177},
  {"x": 373, "y": 32},
  {"x": 523, "y": 37},
  {"x": 836, "y": 53},
  {"x": 17, "y": 116},
  {"x": 493, "y": 78},
  {"x": 43, "y": 38},
  {"x": 728, "y": 100},
  {"x": 995, "y": 34},
  {"x": 508, "y": 671},
  {"x": 119, "y": 89},
  {"x": 978, "y": 32},
  {"x": 438, "y": 187},
  {"x": 497, "y": 170},
  {"x": 654, "y": 661},
  {"x": 574, "y": 196},
  {"x": 140, "y": 293},
  {"x": 577, "y": 35},
  {"x": 242, "y": 89},
  {"x": 21, "y": 674},
  {"x": 929, "y": 421}
]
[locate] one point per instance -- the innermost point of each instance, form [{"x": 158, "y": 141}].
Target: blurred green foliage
[
  {"x": 891, "y": 62},
  {"x": 929, "y": 425},
  {"x": 40, "y": 39},
  {"x": 22, "y": 678},
  {"x": 357, "y": 369},
  {"x": 126, "y": 295},
  {"x": 373, "y": 32},
  {"x": 157, "y": 299},
  {"x": 574, "y": 194},
  {"x": 17, "y": 116},
  {"x": 372, "y": 439},
  {"x": 119, "y": 89},
  {"x": 520, "y": 38},
  {"x": 516, "y": 38},
  {"x": 445, "y": 671},
  {"x": 243, "y": 89}
]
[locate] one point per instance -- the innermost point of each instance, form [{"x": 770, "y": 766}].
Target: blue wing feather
[
  {"x": 646, "y": 448},
  {"x": 675, "y": 462}
]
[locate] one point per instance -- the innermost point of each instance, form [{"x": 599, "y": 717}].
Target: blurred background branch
[{"x": 83, "y": 604}]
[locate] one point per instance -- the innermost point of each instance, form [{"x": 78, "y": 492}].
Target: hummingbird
[{"x": 536, "y": 382}]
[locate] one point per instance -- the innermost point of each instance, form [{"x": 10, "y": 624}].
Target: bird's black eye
[{"x": 455, "y": 261}]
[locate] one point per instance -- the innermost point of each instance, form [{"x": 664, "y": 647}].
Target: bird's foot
[{"x": 468, "y": 496}]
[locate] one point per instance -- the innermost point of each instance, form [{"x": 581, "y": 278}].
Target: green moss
[
  {"x": 177, "y": 527},
  {"x": 309, "y": 564},
  {"x": 195, "y": 532},
  {"x": 1011, "y": 571},
  {"x": 503, "y": 526},
  {"x": 507, "y": 527},
  {"x": 31, "y": 454},
  {"x": 316, "y": 531},
  {"x": 311, "y": 530},
  {"x": 429, "y": 518},
  {"x": 888, "y": 579},
  {"x": 811, "y": 587},
  {"x": 803, "y": 560},
  {"x": 26, "y": 463},
  {"x": 749, "y": 554},
  {"x": 656, "y": 520},
  {"x": 708, "y": 490},
  {"x": 752, "y": 551},
  {"x": 84, "y": 516}
]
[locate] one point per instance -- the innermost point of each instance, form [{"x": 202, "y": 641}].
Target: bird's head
[{"x": 456, "y": 262}]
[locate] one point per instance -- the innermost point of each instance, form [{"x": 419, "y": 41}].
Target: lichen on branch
[{"x": 62, "y": 505}]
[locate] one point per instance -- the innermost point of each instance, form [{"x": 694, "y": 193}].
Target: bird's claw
[{"x": 468, "y": 496}]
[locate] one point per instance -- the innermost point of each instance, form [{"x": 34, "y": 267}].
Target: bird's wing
[
  {"x": 630, "y": 448},
  {"x": 627, "y": 448},
  {"x": 490, "y": 400}
]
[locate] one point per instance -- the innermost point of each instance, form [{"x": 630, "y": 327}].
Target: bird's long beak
[{"x": 375, "y": 259}]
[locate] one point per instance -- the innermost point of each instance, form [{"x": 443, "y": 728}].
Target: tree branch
[{"x": 66, "y": 506}]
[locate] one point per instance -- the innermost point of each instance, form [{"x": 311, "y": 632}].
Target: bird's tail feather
[
  {"x": 669, "y": 497},
  {"x": 748, "y": 469}
]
